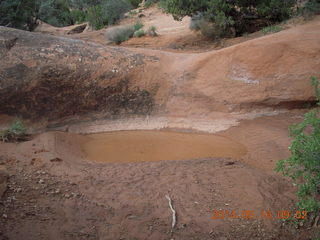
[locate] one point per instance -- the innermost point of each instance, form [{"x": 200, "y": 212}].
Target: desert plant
[
  {"x": 196, "y": 21},
  {"x": 120, "y": 34},
  {"x": 135, "y": 3},
  {"x": 139, "y": 33},
  {"x": 114, "y": 10},
  {"x": 152, "y": 31},
  {"x": 132, "y": 13},
  {"x": 149, "y": 3},
  {"x": 137, "y": 26},
  {"x": 309, "y": 9},
  {"x": 231, "y": 18},
  {"x": 15, "y": 132},
  {"x": 78, "y": 16},
  {"x": 220, "y": 27},
  {"x": 271, "y": 29},
  {"x": 303, "y": 166},
  {"x": 55, "y": 12},
  {"x": 96, "y": 18},
  {"x": 19, "y": 14},
  {"x": 108, "y": 12}
]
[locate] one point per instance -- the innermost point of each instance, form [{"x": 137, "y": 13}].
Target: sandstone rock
[
  {"x": 42, "y": 75},
  {"x": 54, "y": 77}
]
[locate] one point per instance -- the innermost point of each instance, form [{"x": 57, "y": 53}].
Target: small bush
[
  {"x": 303, "y": 166},
  {"x": 139, "y": 33},
  {"x": 114, "y": 10},
  {"x": 120, "y": 34},
  {"x": 135, "y": 3},
  {"x": 271, "y": 29},
  {"x": 309, "y": 9},
  {"x": 196, "y": 22},
  {"x": 16, "y": 132},
  {"x": 108, "y": 12},
  {"x": 137, "y": 26},
  {"x": 133, "y": 12},
  {"x": 219, "y": 28},
  {"x": 55, "y": 12},
  {"x": 152, "y": 31},
  {"x": 96, "y": 18},
  {"x": 149, "y": 3},
  {"x": 236, "y": 17},
  {"x": 78, "y": 16}
]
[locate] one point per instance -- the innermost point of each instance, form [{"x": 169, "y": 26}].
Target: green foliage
[
  {"x": 137, "y": 26},
  {"x": 96, "y": 17},
  {"x": 120, "y": 34},
  {"x": 309, "y": 9},
  {"x": 303, "y": 166},
  {"x": 15, "y": 132},
  {"x": 231, "y": 18},
  {"x": 124, "y": 33},
  {"x": 108, "y": 12},
  {"x": 152, "y": 31},
  {"x": 271, "y": 29},
  {"x": 132, "y": 13},
  {"x": 55, "y": 12},
  {"x": 149, "y": 3},
  {"x": 114, "y": 10},
  {"x": 78, "y": 16},
  {"x": 24, "y": 13},
  {"x": 139, "y": 33},
  {"x": 135, "y": 3},
  {"x": 19, "y": 14}
]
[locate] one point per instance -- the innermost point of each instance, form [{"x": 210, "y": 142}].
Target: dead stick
[{"x": 174, "y": 219}]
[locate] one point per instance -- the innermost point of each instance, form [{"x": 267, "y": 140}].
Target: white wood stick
[{"x": 174, "y": 219}]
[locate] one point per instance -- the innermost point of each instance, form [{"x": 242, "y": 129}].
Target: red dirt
[
  {"x": 55, "y": 192},
  {"x": 58, "y": 194}
]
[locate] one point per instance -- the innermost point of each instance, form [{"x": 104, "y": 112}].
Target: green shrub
[
  {"x": 152, "y": 31},
  {"x": 220, "y": 27},
  {"x": 137, "y": 26},
  {"x": 55, "y": 12},
  {"x": 196, "y": 21},
  {"x": 19, "y": 14},
  {"x": 108, "y": 12},
  {"x": 271, "y": 29},
  {"x": 15, "y": 132},
  {"x": 114, "y": 10},
  {"x": 303, "y": 166},
  {"x": 139, "y": 33},
  {"x": 135, "y": 3},
  {"x": 231, "y": 18},
  {"x": 149, "y": 3},
  {"x": 309, "y": 9},
  {"x": 120, "y": 34},
  {"x": 78, "y": 16},
  {"x": 132, "y": 13},
  {"x": 96, "y": 18}
]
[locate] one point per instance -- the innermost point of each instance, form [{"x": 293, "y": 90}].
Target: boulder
[{"x": 55, "y": 77}]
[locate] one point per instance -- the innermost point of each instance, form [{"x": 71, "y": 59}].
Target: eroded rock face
[{"x": 55, "y": 77}]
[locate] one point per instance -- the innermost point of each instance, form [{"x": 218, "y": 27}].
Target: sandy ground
[{"x": 55, "y": 191}]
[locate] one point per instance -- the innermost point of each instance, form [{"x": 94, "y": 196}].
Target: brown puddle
[{"x": 142, "y": 146}]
